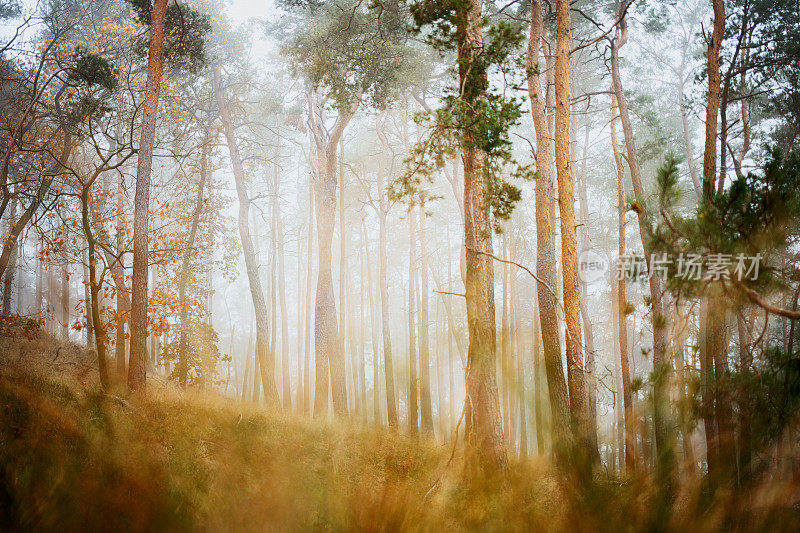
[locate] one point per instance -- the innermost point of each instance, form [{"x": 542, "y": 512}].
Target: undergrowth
[{"x": 74, "y": 457}]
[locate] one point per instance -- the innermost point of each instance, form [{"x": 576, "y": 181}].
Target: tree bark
[
  {"x": 327, "y": 342},
  {"x": 123, "y": 300},
  {"x": 424, "y": 347},
  {"x": 591, "y": 378},
  {"x": 374, "y": 331},
  {"x": 309, "y": 302},
  {"x": 265, "y": 359},
  {"x": 483, "y": 426},
  {"x": 11, "y": 269},
  {"x": 413, "y": 395},
  {"x": 545, "y": 245},
  {"x": 578, "y": 401},
  {"x": 137, "y": 365},
  {"x": 621, "y": 303},
  {"x": 100, "y": 336},
  {"x": 278, "y": 235},
  {"x": 713, "y": 342},
  {"x": 391, "y": 401}
]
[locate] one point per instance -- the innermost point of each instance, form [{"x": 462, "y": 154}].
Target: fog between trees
[{"x": 414, "y": 214}]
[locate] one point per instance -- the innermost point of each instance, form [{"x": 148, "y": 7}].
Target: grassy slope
[{"x": 75, "y": 458}]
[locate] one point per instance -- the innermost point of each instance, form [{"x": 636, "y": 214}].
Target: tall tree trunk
[
  {"x": 137, "y": 366},
  {"x": 100, "y": 336},
  {"x": 413, "y": 396},
  {"x": 183, "y": 365},
  {"x": 712, "y": 343},
  {"x": 37, "y": 305},
  {"x": 621, "y": 303},
  {"x": 537, "y": 378},
  {"x": 591, "y": 378},
  {"x": 278, "y": 235},
  {"x": 391, "y": 398},
  {"x": 363, "y": 286},
  {"x": 298, "y": 401},
  {"x": 743, "y": 400},
  {"x": 123, "y": 300},
  {"x": 87, "y": 295},
  {"x": 11, "y": 269},
  {"x": 265, "y": 358},
  {"x": 65, "y": 315},
  {"x": 483, "y": 427},
  {"x": 309, "y": 302},
  {"x": 374, "y": 325},
  {"x": 247, "y": 371},
  {"x": 661, "y": 364},
  {"x": 344, "y": 333},
  {"x": 505, "y": 371},
  {"x": 578, "y": 401},
  {"x": 450, "y": 338},
  {"x": 424, "y": 347},
  {"x": 518, "y": 348},
  {"x": 327, "y": 342},
  {"x": 545, "y": 245}
]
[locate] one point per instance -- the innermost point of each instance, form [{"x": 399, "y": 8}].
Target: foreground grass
[{"x": 76, "y": 458}]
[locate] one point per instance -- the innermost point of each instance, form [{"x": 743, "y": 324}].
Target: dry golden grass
[{"x": 77, "y": 459}]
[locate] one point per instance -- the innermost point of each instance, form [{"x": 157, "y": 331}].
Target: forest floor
[{"x": 76, "y": 458}]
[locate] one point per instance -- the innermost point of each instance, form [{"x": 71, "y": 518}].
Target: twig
[{"x": 452, "y": 293}]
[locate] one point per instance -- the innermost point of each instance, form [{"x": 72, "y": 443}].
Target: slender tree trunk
[
  {"x": 545, "y": 246},
  {"x": 123, "y": 300},
  {"x": 298, "y": 402},
  {"x": 247, "y": 371},
  {"x": 11, "y": 269},
  {"x": 327, "y": 342},
  {"x": 578, "y": 400},
  {"x": 183, "y": 366},
  {"x": 37, "y": 305},
  {"x": 100, "y": 337},
  {"x": 391, "y": 399},
  {"x": 743, "y": 401},
  {"x": 309, "y": 303},
  {"x": 278, "y": 226},
  {"x": 424, "y": 347},
  {"x": 413, "y": 396},
  {"x": 505, "y": 371},
  {"x": 363, "y": 286},
  {"x": 344, "y": 332},
  {"x": 591, "y": 378},
  {"x": 483, "y": 426},
  {"x": 711, "y": 330},
  {"x": 374, "y": 331},
  {"x": 621, "y": 303},
  {"x": 137, "y": 366},
  {"x": 450, "y": 337},
  {"x": 272, "y": 290},
  {"x": 681, "y": 327},
  {"x": 518, "y": 348},
  {"x": 65, "y": 314},
  {"x": 661, "y": 364},
  {"x": 87, "y": 295},
  {"x": 265, "y": 358}
]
